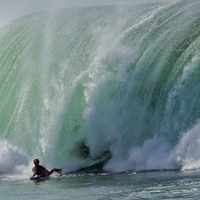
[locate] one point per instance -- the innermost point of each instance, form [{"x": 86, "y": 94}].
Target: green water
[
  {"x": 112, "y": 87},
  {"x": 117, "y": 85},
  {"x": 144, "y": 185}
]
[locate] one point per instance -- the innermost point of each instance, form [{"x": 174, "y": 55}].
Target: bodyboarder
[{"x": 41, "y": 171}]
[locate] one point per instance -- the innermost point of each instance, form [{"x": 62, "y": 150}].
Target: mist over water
[{"x": 106, "y": 83}]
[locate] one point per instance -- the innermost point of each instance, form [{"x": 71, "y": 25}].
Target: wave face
[{"x": 119, "y": 84}]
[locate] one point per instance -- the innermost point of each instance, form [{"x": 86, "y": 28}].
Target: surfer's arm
[{"x": 34, "y": 171}]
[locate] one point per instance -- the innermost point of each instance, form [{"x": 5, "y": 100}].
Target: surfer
[{"x": 41, "y": 171}]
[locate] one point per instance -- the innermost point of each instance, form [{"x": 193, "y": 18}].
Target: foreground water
[{"x": 145, "y": 185}]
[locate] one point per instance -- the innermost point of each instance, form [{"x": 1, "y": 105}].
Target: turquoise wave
[{"x": 82, "y": 86}]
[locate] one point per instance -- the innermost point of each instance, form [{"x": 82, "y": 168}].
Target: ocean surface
[
  {"x": 104, "y": 89},
  {"x": 143, "y": 185}
]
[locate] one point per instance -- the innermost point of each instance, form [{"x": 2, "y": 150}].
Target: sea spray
[{"x": 11, "y": 159}]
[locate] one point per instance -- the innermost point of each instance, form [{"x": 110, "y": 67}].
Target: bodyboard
[{"x": 40, "y": 178}]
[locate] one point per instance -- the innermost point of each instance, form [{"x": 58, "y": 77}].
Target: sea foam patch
[{"x": 11, "y": 159}]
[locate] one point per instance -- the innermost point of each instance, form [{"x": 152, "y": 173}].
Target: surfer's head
[{"x": 36, "y": 162}]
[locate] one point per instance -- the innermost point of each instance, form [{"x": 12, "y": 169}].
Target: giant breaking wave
[{"x": 116, "y": 86}]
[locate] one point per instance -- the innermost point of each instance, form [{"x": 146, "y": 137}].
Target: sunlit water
[{"x": 144, "y": 185}]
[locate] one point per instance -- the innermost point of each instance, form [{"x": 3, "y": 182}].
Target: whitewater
[{"x": 115, "y": 87}]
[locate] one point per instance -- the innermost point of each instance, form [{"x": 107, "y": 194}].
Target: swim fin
[{"x": 59, "y": 171}]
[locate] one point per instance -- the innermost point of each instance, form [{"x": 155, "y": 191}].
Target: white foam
[
  {"x": 186, "y": 152},
  {"x": 11, "y": 159},
  {"x": 154, "y": 154},
  {"x": 157, "y": 153}
]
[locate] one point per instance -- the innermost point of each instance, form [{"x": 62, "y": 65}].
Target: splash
[{"x": 11, "y": 159}]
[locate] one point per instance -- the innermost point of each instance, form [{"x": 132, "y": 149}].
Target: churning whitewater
[{"x": 118, "y": 85}]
